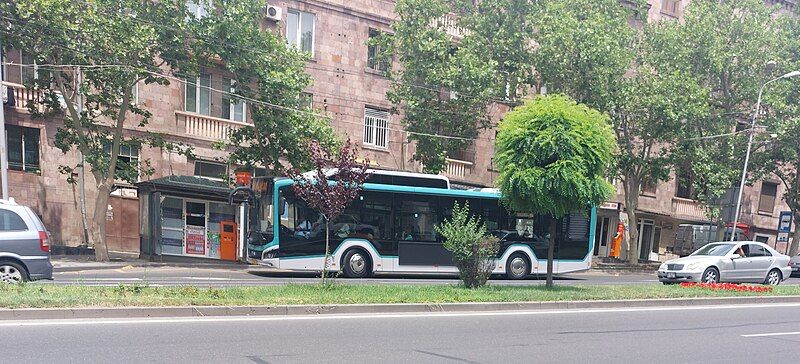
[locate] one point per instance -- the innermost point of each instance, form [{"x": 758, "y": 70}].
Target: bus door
[{"x": 418, "y": 243}]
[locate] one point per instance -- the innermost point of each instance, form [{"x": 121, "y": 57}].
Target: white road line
[
  {"x": 773, "y": 334},
  {"x": 210, "y": 319}
]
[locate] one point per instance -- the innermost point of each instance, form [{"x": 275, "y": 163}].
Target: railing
[
  {"x": 449, "y": 23},
  {"x": 457, "y": 168},
  {"x": 207, "y": 127},
  {"x": 688, "y": 208},
  {"x": 21, "y": 95}
]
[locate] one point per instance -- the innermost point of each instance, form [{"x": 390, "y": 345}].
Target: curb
[
  {"x": 79, "y": 268},
  {"x": 295, "y": 310}
]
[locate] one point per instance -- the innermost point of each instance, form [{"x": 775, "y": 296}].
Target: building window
[
  {"x": 23, "y": 148},
  {"x": 766, "y": 203},
  {"x": 762, "y": 239},
  {"x": 127, "y": 161},
  {"x": 29, "y": 71},
  {"x": 683, "y": 183},
  {"x": 198, "y": 94},
  {"x": 135, "y": 94},
  {"x": 211, "y": 170},
  {"x": 376, "y": 125},
  {"x": 671, "y": 7},
  {"x": 648, "y": 187},
  {"x": 375, "y": 60},
  {"x": 198, "y": 8},
  {"x": 232, "y": 107},
  {"x": 300, "y": 30}
]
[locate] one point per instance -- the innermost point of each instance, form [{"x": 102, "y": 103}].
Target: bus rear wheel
[
  {"x": 518, "y": 266},
  {"x": 356, "y": 264}
]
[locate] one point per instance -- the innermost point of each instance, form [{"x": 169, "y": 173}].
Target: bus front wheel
[
  {"x": 518, "y": 266},
  {"x": 357, "y": 264}
]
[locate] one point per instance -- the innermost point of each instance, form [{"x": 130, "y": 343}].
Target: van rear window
[{"x": 10, "y": 221}]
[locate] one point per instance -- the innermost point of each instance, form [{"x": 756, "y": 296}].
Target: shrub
[{"x": 474, "y": 251}]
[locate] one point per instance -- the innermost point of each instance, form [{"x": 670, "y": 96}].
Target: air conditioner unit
[{"x": 274, "y": 13}]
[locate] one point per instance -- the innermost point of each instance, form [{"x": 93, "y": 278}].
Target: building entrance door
[
  {"x": 601, "y": 236},
  {"x": 646, "y": 229}
]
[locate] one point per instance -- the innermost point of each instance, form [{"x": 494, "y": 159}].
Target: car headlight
[
  {"x": 693, "y": 266},
  {"x": 662, "y": 266}
]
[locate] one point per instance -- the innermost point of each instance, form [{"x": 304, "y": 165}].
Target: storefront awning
[{"x": 187, "y": 186}]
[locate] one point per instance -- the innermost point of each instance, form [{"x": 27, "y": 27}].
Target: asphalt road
[
  {"x": 720, "y": 334},
  {"x": 224, "y": 277}
]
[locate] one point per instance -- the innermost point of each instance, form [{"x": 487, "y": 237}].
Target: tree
[
  {"x": 119, "y": 44},
  {"x": 553, "y": 154},
  {"x": 777, "y": 150},
  {"x": 441, "y": 88},
  {"x": 722, "y": 47},
  {"x": 327, "y": 195},
  {"x": 474, "y": 250},
  {"x": 586, "y": 49}
]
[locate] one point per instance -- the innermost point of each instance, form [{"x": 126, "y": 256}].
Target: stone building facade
[{"x": 347, "y": 87}]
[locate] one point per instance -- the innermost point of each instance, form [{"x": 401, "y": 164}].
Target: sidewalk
[{"x": 74, "y": 263}]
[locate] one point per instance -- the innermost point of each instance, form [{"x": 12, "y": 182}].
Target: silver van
[{"x": 24, "y": 245}]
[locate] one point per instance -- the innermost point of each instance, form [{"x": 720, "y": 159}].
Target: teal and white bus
[{"x": 389, "y": 228}]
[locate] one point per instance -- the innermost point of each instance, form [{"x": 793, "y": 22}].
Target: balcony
[
  {"x": 688, "y": 209},
  {"x": 449, "y": 24},
  {"x": 21, "y": 95},
  {"x": 457, "y": 169},
  {"x": 206, "y": 127}
]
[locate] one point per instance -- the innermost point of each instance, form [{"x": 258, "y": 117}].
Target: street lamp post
[{"x": 749, "y": 146}]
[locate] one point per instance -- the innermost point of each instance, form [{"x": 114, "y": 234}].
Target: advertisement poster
[{"x": 195, "y": 240}]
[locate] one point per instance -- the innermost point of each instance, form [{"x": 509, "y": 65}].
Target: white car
[{"x": 740, "y": 261}]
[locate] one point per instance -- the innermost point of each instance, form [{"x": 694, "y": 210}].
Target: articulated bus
[{"x": 389, "y": 228}]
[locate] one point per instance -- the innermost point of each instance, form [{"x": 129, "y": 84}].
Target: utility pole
[{"x": 3, "y": 142}]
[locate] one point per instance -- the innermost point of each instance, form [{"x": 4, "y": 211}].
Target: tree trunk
[
  {"x": 631, "y": 204},
  {"x": 551, "y": 244},
  {"x": 795, "y": 243},
  {"x": 98, "y": 234},
  {"x": 327, "y": 250}
]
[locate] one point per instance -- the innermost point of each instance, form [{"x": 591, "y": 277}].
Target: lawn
[{"x": 37, "y": 295}]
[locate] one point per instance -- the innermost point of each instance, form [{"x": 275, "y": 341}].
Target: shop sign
[
  {"x": 195, "y": 240},
  {"x": 610, "y": 206}
]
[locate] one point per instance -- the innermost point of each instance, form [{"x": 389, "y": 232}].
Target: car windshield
[{"x": 714, "y": 249}]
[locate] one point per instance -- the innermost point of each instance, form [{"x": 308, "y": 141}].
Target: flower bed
[{"x": 728, "y": 287}]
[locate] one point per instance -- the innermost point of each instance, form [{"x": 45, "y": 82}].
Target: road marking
[
  {"x": 773, "y": 334},
  {"x": 213, "y": 319}
]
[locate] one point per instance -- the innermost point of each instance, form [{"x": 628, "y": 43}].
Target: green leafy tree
[
  {"x": 777, "y": 150},
  {"x": 553, "y": 155},
  {"x": 474, "y": 250},
  {"x": 588, "y": 50},
  {"x": 441, "y": 88},
  {"x": 120, "y": 43},
  {"x": 722, "y": 46}
]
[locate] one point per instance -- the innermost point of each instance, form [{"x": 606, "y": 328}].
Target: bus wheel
[
  {"x": 518, "y": 266},
  {"x": 356, "y": 264}
]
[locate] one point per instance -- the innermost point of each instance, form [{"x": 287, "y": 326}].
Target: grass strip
[{"x": 40, "y": 296}]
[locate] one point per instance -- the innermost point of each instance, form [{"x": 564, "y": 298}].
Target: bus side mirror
[{"x": 281, "y": 205}]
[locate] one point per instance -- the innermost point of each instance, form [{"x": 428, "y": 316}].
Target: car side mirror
[{"x": 735, "y": 256}]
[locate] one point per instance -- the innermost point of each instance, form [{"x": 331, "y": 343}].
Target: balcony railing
[
  {"x": 685, "y": 208},
  {"x": 21, "y": 95},
  {"x": 207, "y": 127},
  {"x": 449, "y": 23},
  {"x": 457, "y": 169}
]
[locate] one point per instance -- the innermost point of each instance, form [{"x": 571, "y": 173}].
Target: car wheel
[
  {"x": 517, "y": 266},
  {"x": 710, "y": 275},
  {"x": 11, "y": 272},
  {"x": 356, "y": 264},
  {"x": 774, "y": 277}
]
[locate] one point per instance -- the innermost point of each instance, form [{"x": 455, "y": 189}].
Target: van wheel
[
  {"x": 12, "y": 272},
  {"x": 356, "y": 264},
  {"x": 518, "y": 266}
]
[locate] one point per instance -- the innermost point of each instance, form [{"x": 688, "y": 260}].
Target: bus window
[
  {"x": 574, "y": 240},
  {"x": 415, "y": 218},
  {"x": 375, "y": 212}
]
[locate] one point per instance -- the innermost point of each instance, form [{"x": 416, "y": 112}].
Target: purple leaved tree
[{"x": 343, "y": 186}]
